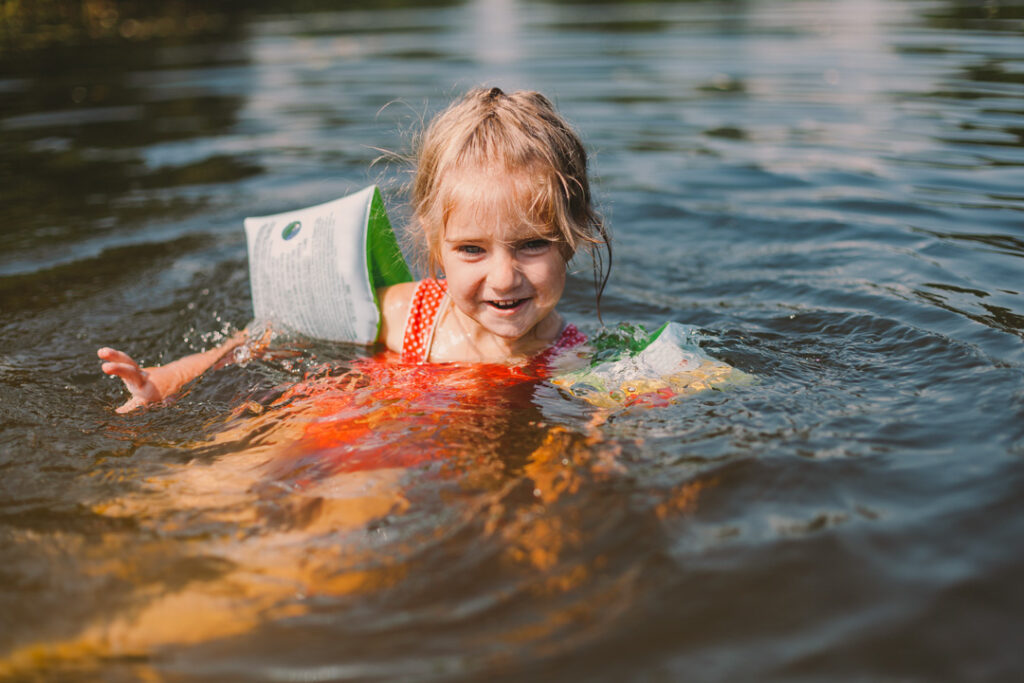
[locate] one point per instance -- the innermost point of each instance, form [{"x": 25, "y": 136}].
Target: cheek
[
  {"x": 560, "y": 283},
  {"x": 463, "y": 278},
  {"x": 553, "y": 275}
]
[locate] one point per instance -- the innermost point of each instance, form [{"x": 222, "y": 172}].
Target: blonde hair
[{"x": 540, "y": 159}]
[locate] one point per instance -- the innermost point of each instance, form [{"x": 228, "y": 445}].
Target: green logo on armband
[{"x": 291, "y": 230}]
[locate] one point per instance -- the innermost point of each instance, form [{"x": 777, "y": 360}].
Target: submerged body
[{"x": 286, "y": 513}]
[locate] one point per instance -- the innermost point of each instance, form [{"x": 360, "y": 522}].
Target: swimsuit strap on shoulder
[
  {"x": 570, "y": 337},
  {"x": 422, "y": 321}
]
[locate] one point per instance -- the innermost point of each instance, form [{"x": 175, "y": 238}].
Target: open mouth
[{"x": 505, "y": 304}]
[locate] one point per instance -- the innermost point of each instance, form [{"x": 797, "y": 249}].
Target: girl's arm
[{"x": 151, "y": 385}]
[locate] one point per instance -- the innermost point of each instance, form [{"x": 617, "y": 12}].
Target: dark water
[{"x": 832, "y": 190}]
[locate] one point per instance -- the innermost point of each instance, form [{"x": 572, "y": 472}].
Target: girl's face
[{"x": 503, "y": 275}]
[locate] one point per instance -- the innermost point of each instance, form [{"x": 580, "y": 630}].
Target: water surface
[{"x": 830, "y": 190}]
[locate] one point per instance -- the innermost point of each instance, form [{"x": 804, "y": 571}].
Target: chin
[{"x": 509, "y": 332}]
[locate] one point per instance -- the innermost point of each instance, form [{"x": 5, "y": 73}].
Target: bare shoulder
[{"x": 394, "y": 311}]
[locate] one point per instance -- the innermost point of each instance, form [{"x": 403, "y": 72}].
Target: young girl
[{"x": 501, "y": 203}]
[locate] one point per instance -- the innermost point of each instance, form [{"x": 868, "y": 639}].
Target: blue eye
[
  {"x": 470, "y": 249},
  {"x": 536, "y": 245}
]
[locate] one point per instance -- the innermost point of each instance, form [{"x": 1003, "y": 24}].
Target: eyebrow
[
  {"x": 524, "y": 240},
  {"x": 466, "y": 239}
]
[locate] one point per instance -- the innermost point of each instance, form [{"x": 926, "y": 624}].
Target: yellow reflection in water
[
  {"x": 270, "y": 547},
  {"x": 228, "y": 544}
]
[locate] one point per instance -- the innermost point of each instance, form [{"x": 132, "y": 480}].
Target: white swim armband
[{"x": 316, "y": 271}]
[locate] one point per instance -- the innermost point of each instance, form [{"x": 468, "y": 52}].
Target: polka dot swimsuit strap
[
  {"x": 422, "y": 321},
  {"x": 570, "y": 337}
]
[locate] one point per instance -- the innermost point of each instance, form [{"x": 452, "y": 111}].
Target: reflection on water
[
  {"x": 830, "y": 189},
  {"x": 354, "y": 484}
]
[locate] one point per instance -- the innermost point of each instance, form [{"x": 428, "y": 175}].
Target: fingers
[
  {"x": 136, "y": 379},
  {"x": 113, "y": 355},
  {"x": 122, "y": 365},
  {"x": 130, "y": 405},
  {"x": 130, "y": 373}
]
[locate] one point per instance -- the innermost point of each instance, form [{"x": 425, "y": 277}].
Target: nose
[{"x": 503, "y": 276}]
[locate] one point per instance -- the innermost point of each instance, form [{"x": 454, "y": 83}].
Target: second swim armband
[
  {"x": 628, "y": 366},
  {"x": 316, "y": 271}
]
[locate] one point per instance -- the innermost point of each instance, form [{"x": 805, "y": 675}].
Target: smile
[{"x": 506, "y": 304}]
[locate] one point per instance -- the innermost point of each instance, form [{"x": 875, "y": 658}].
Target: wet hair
[{"x": 510, "y": 152}]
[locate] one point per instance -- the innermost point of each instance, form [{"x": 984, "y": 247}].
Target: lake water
[{"x": 832, "y": 191}]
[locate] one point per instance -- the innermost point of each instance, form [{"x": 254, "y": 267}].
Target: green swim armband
[
  {"x": 628, "y": 366},
  {"x": 317, "y": 270}
]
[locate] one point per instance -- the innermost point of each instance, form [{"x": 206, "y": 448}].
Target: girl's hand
[
  {"x": 151, "y": 385},
  {"x": 146, "y": 385}
]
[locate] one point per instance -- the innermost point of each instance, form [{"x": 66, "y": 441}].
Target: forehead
[
  {"x": 501, "y": 205},
  {"x": 472, "y": 224}
]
